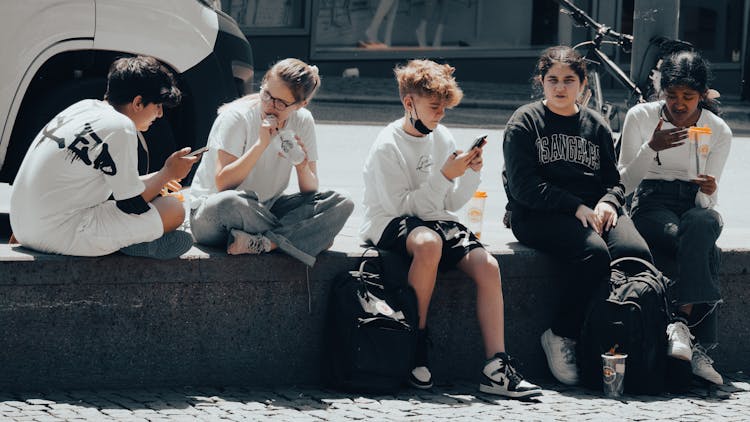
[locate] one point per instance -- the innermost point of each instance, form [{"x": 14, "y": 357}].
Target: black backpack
[
  {"x": 632, "y": 311},
  {"x": 370, "y": 333}
]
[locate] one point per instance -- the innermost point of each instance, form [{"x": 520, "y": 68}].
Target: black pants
[
  {"x": 683, "y": 240},
  {"x": 585, "y": 257}
]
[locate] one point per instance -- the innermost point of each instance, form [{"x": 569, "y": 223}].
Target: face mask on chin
[{"x": 418, "y": 124}]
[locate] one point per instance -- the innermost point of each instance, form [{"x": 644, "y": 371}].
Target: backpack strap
[
  {"x": 375, "y": 262},
  {"x": 643, "y": 262},
  {"x": 664, "y": 284},
  {"x": 375, "y": 267}
]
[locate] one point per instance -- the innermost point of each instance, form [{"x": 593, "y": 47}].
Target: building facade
[{"x": 490, "y": 40}]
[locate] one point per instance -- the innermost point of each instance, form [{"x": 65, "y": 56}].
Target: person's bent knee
[
  {"x": 706, "y": 218},
  {"x": 636, "y": 249},
  {"x": 345, "y": 204},
  {"x": 340, "y": 200},
  {"x": 348, "y": 205},
  {"x": 171, "y": 211},
  {"x": 488, "y": 265},
  {"x": 424, "y": 244},
  {"x": 231, "y": 201},
  {"x": 492, "y": 264},
  {"x": 597, "y": 260}
]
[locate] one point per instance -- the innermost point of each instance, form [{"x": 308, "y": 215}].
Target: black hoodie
[{"x": 554, "y": 163}]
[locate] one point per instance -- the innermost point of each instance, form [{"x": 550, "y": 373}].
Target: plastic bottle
[
  {"x": 475, "y": 212},
  {"x": 289, "y": 148},
  {"x": 699, "y": 146}
]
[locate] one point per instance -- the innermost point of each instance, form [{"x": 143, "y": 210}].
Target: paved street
[{"x": 456, "y": 402}]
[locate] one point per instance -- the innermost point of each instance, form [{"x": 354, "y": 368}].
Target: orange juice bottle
[
  {"x": 699, "y": 146},
  {"x": 475, "y": 212}
]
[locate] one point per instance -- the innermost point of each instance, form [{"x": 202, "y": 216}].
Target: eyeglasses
[{"x": 278, "y": 103}]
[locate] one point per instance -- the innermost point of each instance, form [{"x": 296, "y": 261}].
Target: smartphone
[
  {"x": 198, "y": 151},
  {"x": 479, "y": 142}
]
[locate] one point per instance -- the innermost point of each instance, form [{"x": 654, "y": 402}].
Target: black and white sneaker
[
  {"x": 421, "y": 377},
  {"x": 499, "y": 377}
]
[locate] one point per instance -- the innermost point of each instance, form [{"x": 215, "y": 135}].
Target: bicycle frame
[{"x": 597, "y": 59}]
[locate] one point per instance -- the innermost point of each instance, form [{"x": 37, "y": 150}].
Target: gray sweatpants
[{"x": 301, "y": 224}]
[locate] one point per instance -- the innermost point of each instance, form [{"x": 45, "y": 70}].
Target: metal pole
[
  {"x": 651, "y": 18},
  {"x": 745, "y": 94}
]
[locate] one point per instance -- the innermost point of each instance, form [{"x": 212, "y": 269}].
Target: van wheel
[{"x": 38, "y": 112}]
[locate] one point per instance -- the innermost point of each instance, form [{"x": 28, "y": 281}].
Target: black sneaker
[
  {"x": 170, "y": 245},
  {"x": 499, "y": 377},
  {"x": 420, "y": 376}
]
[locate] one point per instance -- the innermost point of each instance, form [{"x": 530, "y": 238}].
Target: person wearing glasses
[{"x": 237, "y": 195}]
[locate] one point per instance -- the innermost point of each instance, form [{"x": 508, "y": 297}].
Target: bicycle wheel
[{"x": 597, "y": 102}]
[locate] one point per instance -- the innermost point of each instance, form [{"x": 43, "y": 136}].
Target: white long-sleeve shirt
[
  {"x": 402, "y": 177},
  {"x": 638, "y": 160}
]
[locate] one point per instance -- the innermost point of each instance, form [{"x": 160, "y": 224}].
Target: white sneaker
[
  {"x": 679, "y": 339},
  {"x": 703, "y": 366},
  {"x": 246, "y": 243},
  {"x": 561, "y": 357},
  {"x": 499, "y": 377}
]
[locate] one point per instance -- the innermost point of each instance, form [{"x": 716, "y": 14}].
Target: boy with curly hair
[{"x": 415, "y": 181}]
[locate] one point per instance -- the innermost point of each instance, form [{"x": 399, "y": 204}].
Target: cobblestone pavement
[{"x": 456, "y": 402}]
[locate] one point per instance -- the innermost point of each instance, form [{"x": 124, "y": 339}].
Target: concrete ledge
[{"x": 213, "y": 319}]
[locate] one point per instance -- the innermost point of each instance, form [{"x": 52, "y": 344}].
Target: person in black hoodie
[{"x": 566, "y": 197}]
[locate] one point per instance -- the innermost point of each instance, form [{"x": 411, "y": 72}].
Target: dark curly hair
[
  {"x": 687, "y": 69},
  {"x": 141, "y": 75}
]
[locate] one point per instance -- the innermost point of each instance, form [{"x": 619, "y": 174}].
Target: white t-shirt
[
  {"x": 87, "y": 153},
  {"x": 402, "y": 177},
  {"x": 236, "y": 130},
  {"x": 638, "y": 160}
]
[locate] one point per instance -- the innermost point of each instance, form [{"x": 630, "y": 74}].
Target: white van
[{"x": 56, "y": 52}]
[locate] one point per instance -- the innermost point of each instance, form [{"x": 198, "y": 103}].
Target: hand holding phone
[
  {"x": 198, "y": 151},
  {"x": 479, "y": 142}
]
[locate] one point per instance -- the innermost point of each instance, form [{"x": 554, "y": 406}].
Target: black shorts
[{"x": 458, "y": 241}]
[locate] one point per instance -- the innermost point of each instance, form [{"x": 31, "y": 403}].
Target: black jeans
[
  {"x": 585, "y": 257},
  {"x": 682, "y": 238}
]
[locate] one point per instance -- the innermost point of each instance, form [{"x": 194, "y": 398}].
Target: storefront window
[
  {"x": 715, "y": 27},
  {"x": 283, "y": 17},
  {"x": 454, "y": 27}
]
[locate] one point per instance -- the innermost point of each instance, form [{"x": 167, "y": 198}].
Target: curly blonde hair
[{"x": 428, "y": 79}]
